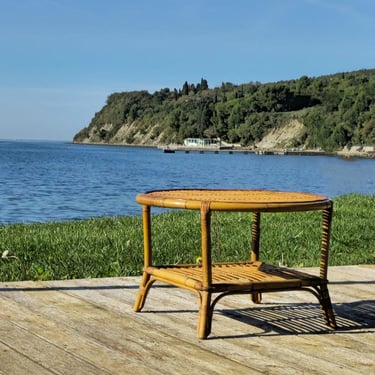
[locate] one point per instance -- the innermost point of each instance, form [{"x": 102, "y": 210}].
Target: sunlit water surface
[{"x": 56, "y": 181}]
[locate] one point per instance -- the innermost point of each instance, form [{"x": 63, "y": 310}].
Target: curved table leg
[
  {"x": 326, "y": 306},
  {"x": 144, "y": 288}
]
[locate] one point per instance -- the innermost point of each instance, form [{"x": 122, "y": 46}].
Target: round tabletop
[{"x": 234, "y": 200}]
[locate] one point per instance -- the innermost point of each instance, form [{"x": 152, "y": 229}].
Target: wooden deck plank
[
  {"x": 138, "y": 345},
  {"x": 36, "y": 348},
  {"x": 88, "y": 326},
  {"x": 69, "y": 339},
  {"x": 15, "y": 363}
]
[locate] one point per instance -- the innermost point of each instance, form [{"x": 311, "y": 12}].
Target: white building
[{"x": 202, "y": 142}]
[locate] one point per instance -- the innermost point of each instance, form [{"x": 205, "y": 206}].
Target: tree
[
  {"x": 204, "y": 84},
  {"x": 368, "y": 131},
  {"x": 303, "y": 84},
  {"x": 185, "y": 88}
]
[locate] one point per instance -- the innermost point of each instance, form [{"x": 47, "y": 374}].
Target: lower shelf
[{"x": 242, "y": 276}]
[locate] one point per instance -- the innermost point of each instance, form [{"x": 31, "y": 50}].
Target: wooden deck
[{"x": 88, "y": 327}]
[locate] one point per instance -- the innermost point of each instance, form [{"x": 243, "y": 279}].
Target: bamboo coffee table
[{"x": 212, "y": 281}]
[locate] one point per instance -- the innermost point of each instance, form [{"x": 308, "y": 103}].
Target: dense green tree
[
  {"x": 336, "y": 110},
  {"x": 204, "y": 84},
  {"x": 185, "y": 88},
  {"x": 368, "y": 131}
]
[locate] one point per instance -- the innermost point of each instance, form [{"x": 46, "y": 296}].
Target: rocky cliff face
[
  {"x": 127, "y": 134},
  {"x": 278, "y": 138},
  {"x": 284, "y": 137}
]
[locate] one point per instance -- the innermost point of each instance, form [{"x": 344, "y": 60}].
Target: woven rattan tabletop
[{"x": 223, "y": 199}]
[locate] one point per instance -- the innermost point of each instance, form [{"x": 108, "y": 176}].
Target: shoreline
[{"x": 345, "y": 153}]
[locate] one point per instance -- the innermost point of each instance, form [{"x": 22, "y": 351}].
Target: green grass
[{"x": 102, "y": 247}]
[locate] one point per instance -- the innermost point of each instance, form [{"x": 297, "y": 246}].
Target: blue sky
[{"x": 60, "y": 59}]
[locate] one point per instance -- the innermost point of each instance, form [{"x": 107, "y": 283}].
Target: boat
[{"x": 168, "y": 150}]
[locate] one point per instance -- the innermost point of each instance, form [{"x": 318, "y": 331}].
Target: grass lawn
[{"x": 103, "y": 247}]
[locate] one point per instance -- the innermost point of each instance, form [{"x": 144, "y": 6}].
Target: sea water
[{"x": 43, "y": 181}]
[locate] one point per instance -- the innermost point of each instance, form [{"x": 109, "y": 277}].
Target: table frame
[{"x": 251, "y": 277}]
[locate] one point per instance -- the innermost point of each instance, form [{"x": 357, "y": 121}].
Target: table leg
[
  {"x": 205, "y": 308},
  {"x": 205, "y": 315},
  {"x": 255, "y": 239},
  {"x": 206, "y": 245},
  {"x": 145, "y": 282},
  {"x": 326, "y": 306},
  {"x": 144, "y": 287},
  {"x": 255, "y": 236},
  {"x": 324, "y": 248},
  {"x": 325, "y": 300}
]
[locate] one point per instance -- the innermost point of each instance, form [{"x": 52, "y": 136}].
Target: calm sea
[{"x": 57, "y": 181}]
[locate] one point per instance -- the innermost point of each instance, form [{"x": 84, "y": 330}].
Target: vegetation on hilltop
[{"x": 336, "y": 110}]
